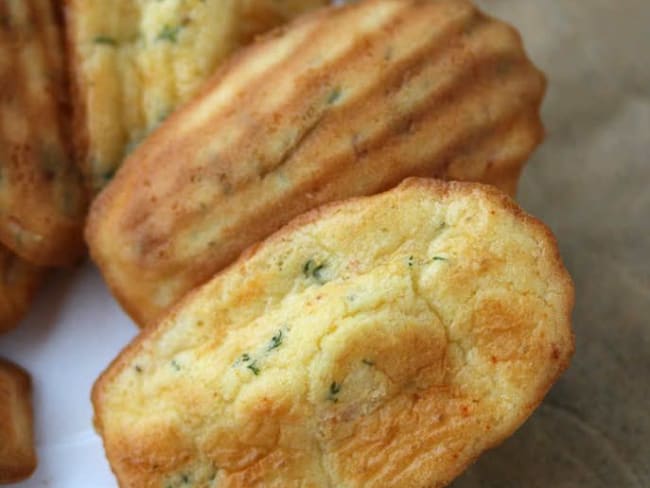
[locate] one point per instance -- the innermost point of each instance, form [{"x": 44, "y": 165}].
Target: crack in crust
[
  {"x": 316, "y": 113},
  {"x": 417, "y": 350}
]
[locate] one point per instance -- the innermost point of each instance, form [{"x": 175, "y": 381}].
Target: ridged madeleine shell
[
  {"x": 42, "y": 203},
  {"x": 347, "y": 101},
  {"x": 134, "y": 62}
]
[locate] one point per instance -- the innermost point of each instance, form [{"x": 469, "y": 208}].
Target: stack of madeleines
[
  {"x": 129, "y": 62},
  {"x": 42, "y": 201},
  {"x": 319, "y": 307}
]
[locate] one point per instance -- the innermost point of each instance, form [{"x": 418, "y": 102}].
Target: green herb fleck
[
  {"x": 130, "y": 147},
  {"x": 335, "y": 388},
  {"x": 411, "y": 261},
  {"x": 169, "y": 33},
  {"x": 334, "y": 95},
  {"x": 276, "y": 341},
  {"x": 105, "y": 40},
  {"x": 439, "y": 258},
  {"x": 317, "y": 273},
  {"x": 138, "y": 368},
  {"x": 175, "y": 365},
  {"x": 253, "y": 367},
  {"x": 185, "y": 478},
  {"x": 244, "y": 358},
  {"x": 367, "y": 362},
  {"x": 108, "y": 174},
  {"x": 313, "y": 270}
]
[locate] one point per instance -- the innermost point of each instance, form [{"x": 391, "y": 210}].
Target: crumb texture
[
  {"x": 344, "y": 102},
  {"x": 135, "y": 61},
  {"x": 382, "y": 342}
]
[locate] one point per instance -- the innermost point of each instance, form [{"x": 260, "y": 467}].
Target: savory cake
[
  {"x": 42, "y": 202},
  {"x": 17, "y": 453},
  {"x": 133, "y": 62},
  {"x": 19, "y": 281},
  {"x": 344, "y": 102},
  {"x": 385, "y": 341}
]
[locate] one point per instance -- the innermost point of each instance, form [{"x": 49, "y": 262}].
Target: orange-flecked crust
[
  {"x": 344, "y": 102},
  {"x": 384, "y": 341},
  {"x": 42, "y": 203},
  {"x": 17, "y": 453},
  {"x": 19, "y": 281}
]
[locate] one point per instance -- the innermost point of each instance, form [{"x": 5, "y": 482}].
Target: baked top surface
[
  {"x": 346, "y": 101},
  {"x": 17, "y": 454},
  {"x": 42, "y": 203},
  {"x": 383, "y": 341},
  {"x": 134, "y": 62}
]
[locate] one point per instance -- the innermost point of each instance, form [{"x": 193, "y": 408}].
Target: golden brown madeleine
[
  {"x": 42, "y": 203},
  {"x": 345, "y": 102},
  {"x": 134, "y": 62},
  {"x": 19, "y": 281},
  {"x": 17, "y": 453},
  {"x": 385, "y": 341}
]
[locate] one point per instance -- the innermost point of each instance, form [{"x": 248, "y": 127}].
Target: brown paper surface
[{"x": 590, "y": 182}]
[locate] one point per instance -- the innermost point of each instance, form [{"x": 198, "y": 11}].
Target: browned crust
[
  {"x": 22, "y": 377},
  {"x": 19, "y": 282},
  {"x": 101, "y": 205},
  {"x": 506, "y": 178},
  {"x": 15, "y": 470},
  {"x": 102, "y": 202},
  {"x": 59, "y": 228},
  {"x": 81, "y": 137},
  {"x": 78, "y": 95},
  {"x": 437, "y": 188}
]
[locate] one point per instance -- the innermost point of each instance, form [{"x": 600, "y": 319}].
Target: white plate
[{"x": 73, "y": 331}]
